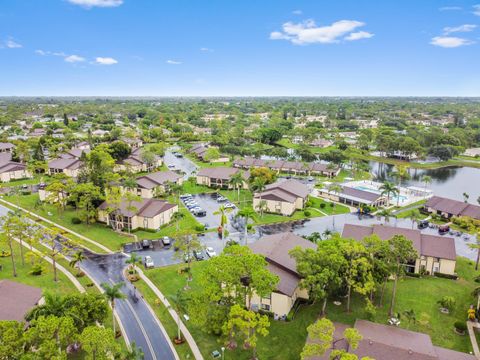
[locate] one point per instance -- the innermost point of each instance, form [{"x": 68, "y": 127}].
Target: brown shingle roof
[
  {"x": 291, "y": 190},
  {"x": 62, "y": 164},
  {"x": 453, "y": 207},
  {"x": 145, "y": 207},
  {"x": 17, "y": 299},
  {"x": 221, "y": 172},
  {"x": 427, "y": 245},
  {"x": 152, "y": 180}
]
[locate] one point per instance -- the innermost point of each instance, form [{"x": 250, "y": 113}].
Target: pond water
[{"x": 450, "y": 182}]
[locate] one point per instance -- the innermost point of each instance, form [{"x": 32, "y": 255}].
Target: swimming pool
[{"x": 401, "y": 198}]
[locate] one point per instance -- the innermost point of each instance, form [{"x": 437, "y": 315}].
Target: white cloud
[
  {"x": 11, "y": 44},
  {"x": 41, "y": 52},
  {"x": 450, "y": 8},
  {"x": 105, "y": 61},
  {"x": 297, "y": 12},
  {"x": 97, "y": 3},
  {"x": 74, "y": 59},
  {"x": 450, "y": 41},
  {"x": 359, "y": 35},
  {"x": 461, "y": 28},
  {"x": 307, "y": 32},
  {"x": 173, "y": 62},
  {"x": 205, "y": 49},
  {"x": 476, "y": 9}
]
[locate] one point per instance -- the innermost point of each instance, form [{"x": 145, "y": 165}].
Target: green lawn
[
  {"x": 419, "y": 294},
  {"x": 45, "y": 281},
  {"x": 328, "y": 208},
  {"x": 272, "y": 347}
]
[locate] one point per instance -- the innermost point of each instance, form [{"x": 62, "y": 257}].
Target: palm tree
[
  {"x": 135, "y": 353},
  {"x": 388, "y": 189},
  {"x": 477, "y": 247},
  {"x": 335, "y": 188},
  {"x": 401, "y": 174},
  {"x": 247, "y": 213},
  {"x": 236, "y": 181},
  {"x": 426, "y": 181},
  {"x": 113, "y": 293},
  {"x": 258, "y": 185},
  {"x": 134, "y": 260},
  {"x": 414, "y": 215},
  {"x": 54, "y": 304},
  {"x": 77, "y": 258},
  {"x": 222, "y": 211},
  {"x": 177, "y": 217},
  {"x": 410, "y": 315}
]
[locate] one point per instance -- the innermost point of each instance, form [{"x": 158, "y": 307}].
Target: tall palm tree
[
  {"x": 401, "y": 174},
  {"x": 388, "y": 189},
  {"x": 134, "y": 260},
  {"x": 236, "y": 181},
  {"x": 477, "y": 247},
  {"x": 334, "y": 188},
  {"x": 223, "y": 211},
  {"x": 77, "y": 259},
  {"x": 113, "y": 293},
  {"x": 258, "y": 185},
  {"x": 135, "y": 353},
  {"x": 414, "y": 215},
  {"x": 247, "y": 213},
  {"x": 426, "y": 181}
]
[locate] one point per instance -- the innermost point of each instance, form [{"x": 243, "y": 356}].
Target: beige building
[
  {"x": 437, "y": 254},
  {"x": 276, "y": 249},
  {"x": 12, "y": 170},
  {"x": 70, "y": 167},
  {"x": 283, "y": 197},
  {"x": 135, "y": 163},
  {"x": 144, "y": 214},
  {"x": 219, "y": 177},
  {"x": 154, "y": 184},
  {"x": 448, "y": 207}
]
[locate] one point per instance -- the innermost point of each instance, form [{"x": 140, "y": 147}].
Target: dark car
[
  {"x": 443, "y": 229},
  {"x": 423, "y": 224},
  {"x": 199, "y": 255},
  {"x": 147, "y": 244}
]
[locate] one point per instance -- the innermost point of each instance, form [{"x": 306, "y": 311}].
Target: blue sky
[{"x": 242, "y": 47}]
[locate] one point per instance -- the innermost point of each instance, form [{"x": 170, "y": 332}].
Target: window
[{"x": 265, "y": 307}]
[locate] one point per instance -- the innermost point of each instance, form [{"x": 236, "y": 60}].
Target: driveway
[{"x": 183, "y": 164}]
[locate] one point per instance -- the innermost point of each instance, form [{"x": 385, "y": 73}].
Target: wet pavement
[{"x": 183, "y": 164}]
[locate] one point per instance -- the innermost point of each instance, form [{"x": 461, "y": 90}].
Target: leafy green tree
[
  {"x": 134, "y": 260},
  {"x": 212, "y": 153},
  {"x": 86, "y": 196},
  {"x": 187, "y": 244},
  {"x": 10, "y": 229},
  {"x": 247, "y": 325},
  {"x": 388, "y": 189},
  {"x": 57, "y": 194},
  {"x": 321, "y": 336},
  {"x": 119, "y": 150},
  {"x": 135, "y": 353},
  {"x": 99, "y": 343},
  {"x": 12, "y": 343},
  {"x": 402, "y": 252}
]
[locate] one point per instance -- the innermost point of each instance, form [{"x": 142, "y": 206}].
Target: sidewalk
[{"x": 471, "y": 332}]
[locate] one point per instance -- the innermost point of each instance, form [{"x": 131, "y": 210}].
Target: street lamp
[{"x": 223, "y": 353}]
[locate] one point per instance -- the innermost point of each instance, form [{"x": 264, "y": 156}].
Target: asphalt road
[{"x": 186, "y": 165}]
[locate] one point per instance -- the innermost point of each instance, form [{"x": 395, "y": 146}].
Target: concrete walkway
[
  {"x": 188, "y": 337},
  {"x": 67, "y": 273},
  {"x": 471, "y": 332},
  {"x": 107, "y": 250}
]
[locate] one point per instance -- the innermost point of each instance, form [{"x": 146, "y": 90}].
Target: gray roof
[
  {"x": 6, "y": 145},
  {"x": 427, "y": 245},
  {"x": 221, "y": 172},
  {"x": 17, "y": 299},
  {"x": 286, "y": 190},
  {"x": 155, "y": 179},
  {"x": 453, "y": 207},
  {"x": 148, "y": 208},
  {"x": 62, "y": 164},
  {"x": 276, "y": 249},
  {"x": 361, "y": 194}
]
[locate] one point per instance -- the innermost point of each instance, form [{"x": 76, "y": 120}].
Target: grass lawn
[
  {"x": 202, "y": 164},
  {"x": 422, "y": 295},
  {"x": 272, "y": 347},
  {"x": 45, "y": 281},
  {"x": 35, "y": 180},
  {"x": 328, "y": 208}
]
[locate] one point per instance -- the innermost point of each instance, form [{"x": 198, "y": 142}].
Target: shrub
[
  {"x": 447, "y": 302},
  {"x": 414, "y": 275},
  {"x": 76, "y": 221},
  {"x": 446, "y": 276},
  {"x": 200, "y": 227},
  {"x": 322, "y": 205},
  {"x": 370, "y": 311},
  {"x": 37, "y": 270},
  {"x": 461, "y": 326},
  {"x": 307, "y": 213},
  {"x": 249, "y": 227}
]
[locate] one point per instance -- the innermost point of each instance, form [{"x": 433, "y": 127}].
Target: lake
[{"x": 450, "y": 182}]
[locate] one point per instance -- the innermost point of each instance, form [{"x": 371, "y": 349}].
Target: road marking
[{"x": 147, "y": 339}]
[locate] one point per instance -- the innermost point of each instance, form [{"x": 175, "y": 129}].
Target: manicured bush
[
  {"x": 414, "y": 275},
  {"x": 37, "y": 270},
  {"x": 461, "y": 326},
  {"x": 307, "y": 213},
  {"x": 447, "y": 302},
  {"x": 76, "y": 221},
  {"x": 446, "y": 276},
  {"x": 200, "y": 227},
  {"x": 322, "y": 205}
]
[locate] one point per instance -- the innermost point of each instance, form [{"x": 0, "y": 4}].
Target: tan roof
[
  {"x": 427, "y": 245},
  {"x": 62, "y": 164},
  {"x": 287, "y": 190},
  {"x": 17, "y": 299},
  {"x": 148, "y": 208},
  {"x": 453, "y": 207},
  {"x": 152, "y": 180},
  {"x": 276, "y": 250},
  {"x": 221, "y": 172}
]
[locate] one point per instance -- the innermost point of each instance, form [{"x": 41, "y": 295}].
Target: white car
[
  {"x": 210, "y": 252},
  {"x": 229, "y": 206},
  {"x": 149, "y": 262}
]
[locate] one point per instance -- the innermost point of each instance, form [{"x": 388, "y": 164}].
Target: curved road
[{"x": 136, "y": 317}]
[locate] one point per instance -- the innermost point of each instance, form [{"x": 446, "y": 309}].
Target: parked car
[
  {"x": 184, "y": 196},
  {"x": 199, "y": 255},
  {"x": 171, "y": 166},
  {"x": 229, "y": 206},
  {"x": 148, "y": 262},
  {"x": 443, "y": 229},
  {"x": 423, "y": 224},
  {"x": 166, "y": 241},
  {"x": 310, "y": 178},
  {"x": 178, "y": 155},
  {"x": 221, "y": 198},
  {"x": 210, "y": 252},
  {"x": 147, "y": 244},
  {"x": 199, "y": 212}
]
